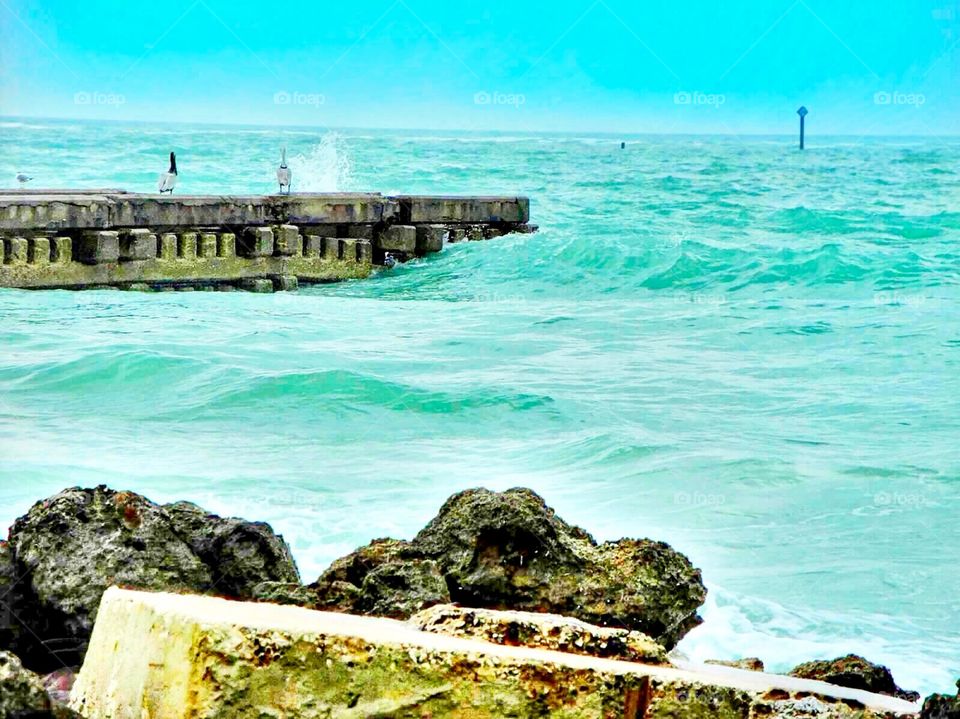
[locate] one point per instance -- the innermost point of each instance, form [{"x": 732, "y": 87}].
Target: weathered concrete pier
[{"x": 112, "y": 238}]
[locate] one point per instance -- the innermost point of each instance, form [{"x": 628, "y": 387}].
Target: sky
[{"x": 733, "y": 66}]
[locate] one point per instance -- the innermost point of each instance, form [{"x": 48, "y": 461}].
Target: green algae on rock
[
  {"x": 168, "y": 656},
  {"x": 509, "y": 550},
  {"x": 69, "y": 548}
]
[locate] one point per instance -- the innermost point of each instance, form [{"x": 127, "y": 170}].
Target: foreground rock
[
  {"x": 23, "y": 695},
  {"x": 749, "y": 663},
  {"x": 68, "y": 549},
  {"x": 508, "y": 550},
  {"x": 542, "y": 631},
  {"x": 942, "y": 706},
  {"x": 856, "y": 672},
  {"x": 176, "y": 656}
]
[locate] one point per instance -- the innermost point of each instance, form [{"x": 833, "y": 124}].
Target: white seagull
[
  {"x": 23, "y": 179},
  {"x": 284, "y": 176},
  {"x": 389, "y": 261},
  {"x": 168, "y": 180}
]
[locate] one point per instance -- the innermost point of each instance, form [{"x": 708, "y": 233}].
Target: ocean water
[{"x": 720, "y": 342}]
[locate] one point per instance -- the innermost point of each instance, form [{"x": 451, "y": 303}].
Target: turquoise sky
[{"x": 740, "y": 66}]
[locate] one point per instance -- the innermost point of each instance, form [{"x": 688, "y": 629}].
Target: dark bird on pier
[
  {"x": 284, "y": 175},
  {"x": 23, "y": 179},
  {"x": 168, "y": 180}
]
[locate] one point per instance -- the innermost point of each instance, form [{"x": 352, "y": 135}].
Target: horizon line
[{"x": 329, "y": 128}]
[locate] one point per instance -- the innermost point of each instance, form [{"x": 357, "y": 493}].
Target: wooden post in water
[{"x": 802, "y": 112}]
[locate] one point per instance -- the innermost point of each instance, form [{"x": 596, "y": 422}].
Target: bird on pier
[
  {"x": 23, "y": 179},
  {"x": 168, "y": 180},
  {"x": 284, "y": 175}
]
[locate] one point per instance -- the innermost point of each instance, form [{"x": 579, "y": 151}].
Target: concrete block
[
  {"x": 3, "y": 254},
  {"x": 257, "y": 284},
  {"x": 312, "y": 246},
  {"x": 475, "y": 233},
  {"x": 398, "y": 238},
  {"x": 360, "y": 232},
  {"x": 168, "y": 246},
  {"x": 138, "y": 244},
  {"x": 348, "y": 250},
  {"x": 227, "y": 245},
  {"x": 173, "y": 656},
  {"x": 207, "y": 245},
  {"x": 491, "y": 232},
  {"x": 285, "y": 283},
  {"x": 256, "y": 242},
  {"x": 138, "y": 287},
  {"x": 430, "y": 238},
  {"x": 524, "y": 229},
  {"x": 16, "y": 250},
  {"x": 287, "y": 240},
  {"x": 99, "y": 247},
  {"x": 61, "y": 250},
  {"x": 462, "y": 210},
  {"x": 457, "y": 234},
  {"x": 38, "y": 251},
  {"x": 365, "y": 251},
  {"x": 187, "y": 246},
  {"x": 331, "y": 248}
]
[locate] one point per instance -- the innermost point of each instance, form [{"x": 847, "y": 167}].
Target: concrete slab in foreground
[{"x": 165, "y": 656}]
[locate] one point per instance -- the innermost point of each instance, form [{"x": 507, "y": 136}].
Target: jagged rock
[
  {"x": 22, "y": 694},
  {"x": 543, "y": 631},
  {"x": 72, "y": 546},
  {"x": 942, "y": 706},
  {"x": 385, "y": 578},
  {"x": 855, "y": 672},
  {"x": 508, "y": 550},
  {"x": 240, "y": 554},
  {"x": 749, "y": 663}
]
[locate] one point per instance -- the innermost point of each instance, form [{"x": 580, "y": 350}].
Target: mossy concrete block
[
  {"x": 462, "y": 210},
  {"x": 15, "y": 249},
  {"x": 312, "y": 246},
  {"x": 457, "y": 234},
  {"x": 285, "y": 283},
  {"x": 139, "y": 287},
  {"x": 256, "y": 242},
  {"x": 168, "y": 246},
  {"x": 61, "y": 250},
  {"x": 348, "y": 249},
  {"x": 138, "y": 244},
  {"x": 187, "y": 246},
  {"x": 475, "y": 233},
  {"x": 430, "y": 238},
  {"x": 398, "y": 238},
  {"x": 207, "y": 245},
  {"x": 99, "y": 247},
  {"x": 365, "y": 251},
  {"x": 360, "y": 232},
  {"x": 287, "y": 240},
  {"x": 39, "y": 251},
  {"x": 256, "y": 284},
  {"x": 227, "y": 245},
  {"x": 491, "y": 232},
  {"x": 331, "y": 248},
  {"x": 174, "y": 656}
]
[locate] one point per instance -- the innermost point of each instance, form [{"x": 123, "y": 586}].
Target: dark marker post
[{"x": 802, "y": 112}]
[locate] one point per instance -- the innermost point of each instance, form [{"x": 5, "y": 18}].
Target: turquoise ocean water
[{"x": 748, "y": 352}]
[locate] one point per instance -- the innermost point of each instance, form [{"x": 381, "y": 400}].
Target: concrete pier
[{"x": 97, "y": 238}]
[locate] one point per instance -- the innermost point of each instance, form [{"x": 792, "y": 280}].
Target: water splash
[{"x": 324, "y": 168}]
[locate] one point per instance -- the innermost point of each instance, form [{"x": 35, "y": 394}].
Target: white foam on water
[
  {"x": 324, "y": 168},
  {"x": 737, "y": 626}
]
